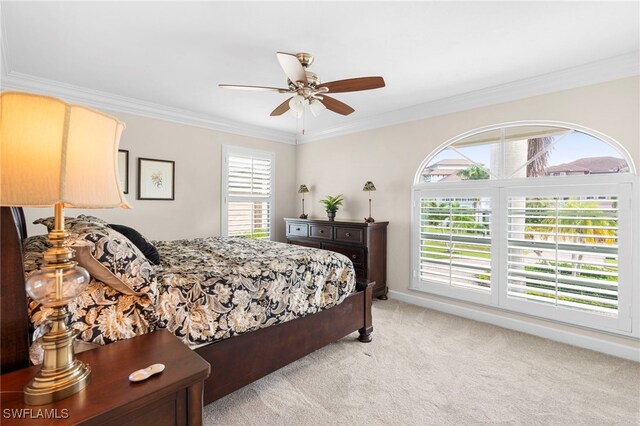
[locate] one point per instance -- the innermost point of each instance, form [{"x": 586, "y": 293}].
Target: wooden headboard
[{"x": 14, "y": 324}]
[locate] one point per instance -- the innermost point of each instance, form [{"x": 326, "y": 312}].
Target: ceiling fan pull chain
[{"x": 303, "y": 121}]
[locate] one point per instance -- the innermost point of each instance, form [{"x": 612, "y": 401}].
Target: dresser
[{"x": 364, "y": 243}]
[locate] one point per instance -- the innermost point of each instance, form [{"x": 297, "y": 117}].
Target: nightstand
[{"x": 173, "y": 397}]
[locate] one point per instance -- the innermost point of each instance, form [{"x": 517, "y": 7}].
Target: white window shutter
[
  {"x": 563, "y": 251},
  {"x": 247, "y": 193},
  {"x": 455, "y": 241}
]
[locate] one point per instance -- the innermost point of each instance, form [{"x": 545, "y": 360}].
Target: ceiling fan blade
[
  {"x": 282, "y": 108},
  {"x": 260, "y": 88},
  {"x": 292, "y": 67},
  {"x": 336, "y": 106},
  {"x": 354, "y": 84}
]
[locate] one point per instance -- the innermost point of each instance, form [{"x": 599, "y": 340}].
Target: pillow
[
  {"x": 148, "y": 249},
  {"x": 69, "y": 222},
  {"x": 101, "y": 314},
  {"x": 126, "y": 267},
  {"x": 97, "y": 270},
  {"x": 116, "y": 253}
]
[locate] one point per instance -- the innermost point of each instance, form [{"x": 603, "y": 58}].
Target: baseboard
[{"x": 546, "y": 331}]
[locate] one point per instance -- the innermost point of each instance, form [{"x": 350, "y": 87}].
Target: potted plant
[{"x": 331, "y": 205}]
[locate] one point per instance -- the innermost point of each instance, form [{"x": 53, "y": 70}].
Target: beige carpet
[{"x": 425, "y": 367}]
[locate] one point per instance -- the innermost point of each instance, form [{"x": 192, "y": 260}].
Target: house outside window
[
  {"x": 530, "y": 217},
  {"x": 247, "y": 192}
]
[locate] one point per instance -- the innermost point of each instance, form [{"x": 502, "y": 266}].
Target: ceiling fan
[{"x": 308, "y": 88}]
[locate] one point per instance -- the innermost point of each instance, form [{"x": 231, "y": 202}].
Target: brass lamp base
[
  {"x": 61, "y": 375},
  {"x": 47, "y": 388},
  {"x": 303, "y": 216},
  {"x": 369, "y": 219}
]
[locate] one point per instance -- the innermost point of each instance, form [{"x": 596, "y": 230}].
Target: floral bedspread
[{"x": 214, "y": 288}]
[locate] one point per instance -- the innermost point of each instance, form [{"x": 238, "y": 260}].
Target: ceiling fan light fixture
[
  {"x": 307, "y": 89},
  {"x": 316, "y": 107},
  {"x": 296, "y": 104}
]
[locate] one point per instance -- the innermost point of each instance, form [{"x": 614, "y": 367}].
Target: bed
[{"x": 279, "y": 334}]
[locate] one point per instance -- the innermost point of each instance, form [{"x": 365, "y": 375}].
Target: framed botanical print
[
  {"x": 123, "y": 170},
  {"x": 156, "y": 179}
]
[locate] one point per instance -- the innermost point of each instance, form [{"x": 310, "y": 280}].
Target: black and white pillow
[
  {"x": 69, "y": 222},
  {"x": 130, "y": 270},
  {"x": 101, "y": 314},
  {"x": 119, "y": 255}
]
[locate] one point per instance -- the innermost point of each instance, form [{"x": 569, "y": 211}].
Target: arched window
[{"x": 533, "y": 217}]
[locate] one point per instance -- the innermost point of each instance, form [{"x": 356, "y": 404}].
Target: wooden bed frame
[{"x": 235, "y": 362}]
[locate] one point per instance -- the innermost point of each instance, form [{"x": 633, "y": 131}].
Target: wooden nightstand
[{"x": 173, "y": 397}]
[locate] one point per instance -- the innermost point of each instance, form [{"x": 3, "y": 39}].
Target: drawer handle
[
  {"x": 322, "y": 231},
  {"x": 353, "y": 256},
  {"x": 348, "y": 234},
  {"x": 297, "y": 229}
]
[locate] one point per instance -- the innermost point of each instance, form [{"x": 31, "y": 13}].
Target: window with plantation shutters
[
  {"x": 531, "y": 218},
  {"x": 454, "y": 253},
  {"x": 568, "y": 251},
  {"x": 455, "y": 241},
  {"x": 563, "y": 251},
  {"x": 247, "y": 207}
]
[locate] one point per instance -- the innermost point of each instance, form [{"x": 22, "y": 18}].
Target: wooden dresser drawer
[
  {"x": 353, "y": 235},
  {"x": 355, "y": 254},
  {"x": 306, "y": 243},
  {"x": 321, "y": 231},
  {"x": 297, "y": 229}
]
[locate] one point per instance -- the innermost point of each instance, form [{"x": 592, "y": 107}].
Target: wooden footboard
[{"x": 243, "y": 359}]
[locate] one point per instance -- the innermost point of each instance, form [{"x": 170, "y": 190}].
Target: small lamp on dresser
[
  {"x": 61, "y": 155},
  {"x": 303, "y": 190},
  {"x": 369, "y": 186}
]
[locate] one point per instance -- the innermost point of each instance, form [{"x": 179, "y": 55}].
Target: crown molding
[
  {"x": 583, "y": 75},
  {"x": 592, "y": 73},
  {"x": 115, "y": 103}
]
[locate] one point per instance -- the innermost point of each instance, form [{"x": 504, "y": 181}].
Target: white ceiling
[{"x": 174, "y": 54}]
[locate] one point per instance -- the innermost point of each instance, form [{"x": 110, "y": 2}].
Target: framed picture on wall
[
  {"x": 156, "y": 179},
  {"x": 123, "y": 170}
]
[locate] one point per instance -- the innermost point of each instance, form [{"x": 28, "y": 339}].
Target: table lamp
[
  {"x": 61, "y": 155},
  {"x": 369, "y": 186},
  {"x": 303, "y": 190}
]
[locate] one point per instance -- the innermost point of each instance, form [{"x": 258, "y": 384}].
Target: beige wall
[
  {"x": 195, "y": 212},
  {"x": 391, "y": 156}
]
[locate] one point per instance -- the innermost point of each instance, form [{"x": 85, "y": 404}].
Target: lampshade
[
  {"x": 369, "y": 186},
  {"x": 303, "y": 189},
  {"x": 316, "y": 107},
  {"x": 53, "y": 152}
]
